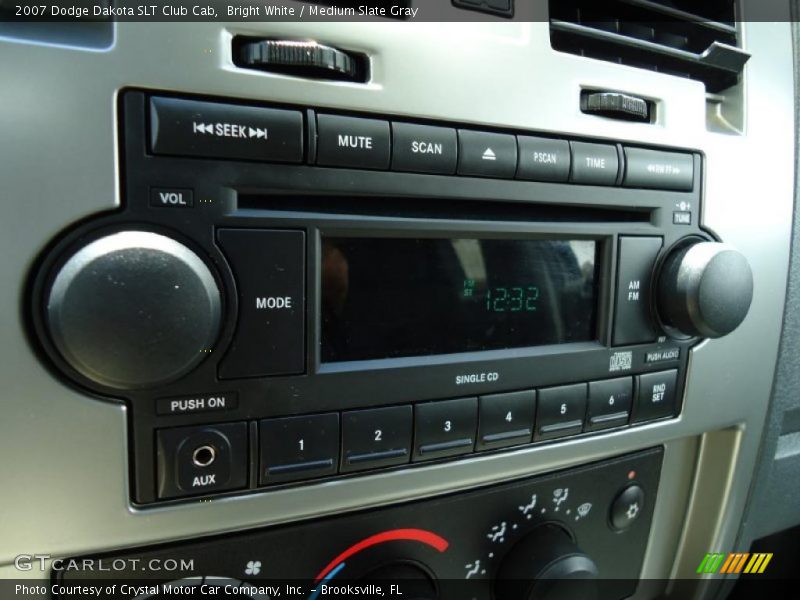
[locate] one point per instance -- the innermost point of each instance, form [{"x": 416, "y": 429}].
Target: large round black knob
[
  {"x": 133, "y": 309},
  {"x": 704, "y": 289},
  {"x": 546, "y": 565},
  {"x": 413, "y": 581}
]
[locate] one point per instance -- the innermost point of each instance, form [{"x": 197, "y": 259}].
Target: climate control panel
[{"x": 584, "y": 528}]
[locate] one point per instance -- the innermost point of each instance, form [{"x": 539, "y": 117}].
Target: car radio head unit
[
  {"x": 391, "y": 297},
  {"x": 277, "y": 276}
]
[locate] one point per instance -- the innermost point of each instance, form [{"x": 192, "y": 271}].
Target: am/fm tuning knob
[
  {"x": 704, "y": 289},
  {"x": 133, "y": 309}
]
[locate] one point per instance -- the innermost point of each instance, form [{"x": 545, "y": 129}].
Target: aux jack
[{"x": 204, "y": 456}]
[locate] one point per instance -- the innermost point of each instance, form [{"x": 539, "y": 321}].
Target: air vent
[
  {"x": 38, "y": 23},
  {"x": 685, "y": 38}
]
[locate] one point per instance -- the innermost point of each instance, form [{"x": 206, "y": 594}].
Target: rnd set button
[{"x": 269, "y": 268}]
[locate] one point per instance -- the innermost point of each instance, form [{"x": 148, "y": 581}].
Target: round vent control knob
[
  {"x": 414, "y": 581},
  {"x": 704, "y": 289},
  {"x": 547, "y": 565},
  {"x": 303, "y": 58},
  {"x": 133, "y": 309}
]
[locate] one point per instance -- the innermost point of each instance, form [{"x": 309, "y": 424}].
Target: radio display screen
[{"x": 395, "y": 297}]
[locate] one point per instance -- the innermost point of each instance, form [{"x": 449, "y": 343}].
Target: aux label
[{"x": 204, "y": 480}]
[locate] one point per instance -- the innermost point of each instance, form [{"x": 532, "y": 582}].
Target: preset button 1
[{"x": 295, "y": 448}]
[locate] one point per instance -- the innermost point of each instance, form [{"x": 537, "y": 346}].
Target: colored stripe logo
[{"x": 734, "y": 562}]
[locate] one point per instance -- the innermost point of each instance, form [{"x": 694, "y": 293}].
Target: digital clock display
[
  {"x": 395, "y": 297},
  {"x": 507, "y": 299}
]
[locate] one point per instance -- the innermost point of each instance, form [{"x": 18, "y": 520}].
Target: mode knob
[
  {"x": 133, "y": 309},
  {"x": 414, "y": 582},
  {"x": 547, "y": 565},
  {"x": 704, "y": 289}
]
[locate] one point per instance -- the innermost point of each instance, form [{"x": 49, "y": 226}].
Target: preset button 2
[{"x": 376, "y": 437}]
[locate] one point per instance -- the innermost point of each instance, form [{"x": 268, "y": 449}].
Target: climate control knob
[
  {"x": 546, "y": 565},
  {"x": 133, "y": 309},
  {"x": 414, "y": 582},
  {"x": 704, "y": 289}
]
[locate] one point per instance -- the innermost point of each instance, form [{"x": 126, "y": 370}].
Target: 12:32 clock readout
[{"x": 499, "y": 299}]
